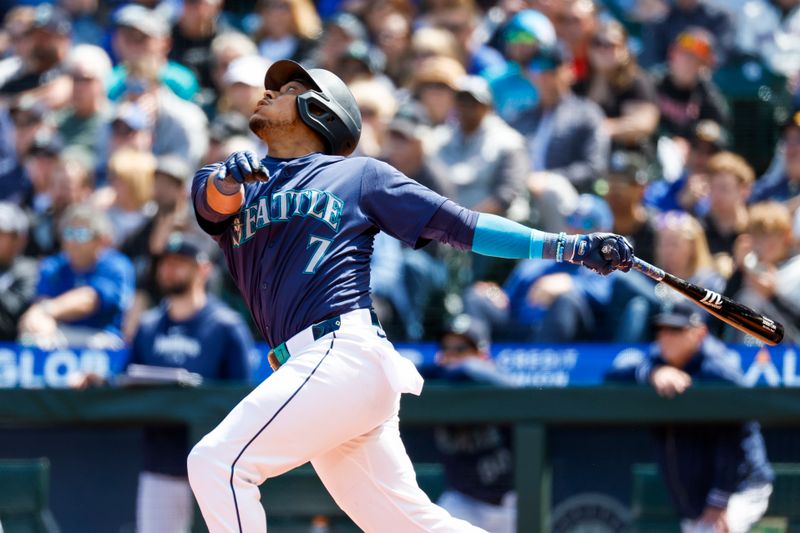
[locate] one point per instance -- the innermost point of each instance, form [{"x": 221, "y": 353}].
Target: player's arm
[{"x": 218, "y": 189}]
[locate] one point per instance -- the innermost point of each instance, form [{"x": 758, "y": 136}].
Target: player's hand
[
  {"x": 601, "y": 252},
  {"x": 715, "y": 519},
  {"x": 242, "y": 167},
  {"x": 670, "y": 381}
]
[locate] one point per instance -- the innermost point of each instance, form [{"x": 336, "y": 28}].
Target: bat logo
[
  {"x": 712, "y": 299},
  {"x": 767, "y": 323}
]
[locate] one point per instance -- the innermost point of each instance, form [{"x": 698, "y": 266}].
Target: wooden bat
[{"x": 737, "y": 315}]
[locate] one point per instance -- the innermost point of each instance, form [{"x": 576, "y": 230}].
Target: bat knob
[{"x": 606, "y": 249}]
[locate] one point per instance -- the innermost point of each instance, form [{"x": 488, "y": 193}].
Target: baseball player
[{"x": 296, "y": 229}]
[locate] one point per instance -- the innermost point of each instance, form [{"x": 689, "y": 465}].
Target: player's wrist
[{"x": 226, "y": 185}]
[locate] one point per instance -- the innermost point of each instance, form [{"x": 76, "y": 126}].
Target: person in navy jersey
[
  {"x": 84, "y": 291},
  {"x": 296, "y": 229},
  {"x": 189, "y": 330}
]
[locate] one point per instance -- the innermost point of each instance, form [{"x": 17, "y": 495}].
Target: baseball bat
[{"x": 737, "y": 315}]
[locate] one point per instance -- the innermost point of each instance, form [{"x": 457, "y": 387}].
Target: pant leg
[
  {"x": 331, "y": 392},
  {"x": 163, "y": 503},
  {"x": 372, "y": 479}
]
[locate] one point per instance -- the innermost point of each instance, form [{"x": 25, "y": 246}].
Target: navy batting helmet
[{"x": 328, "y": 108}]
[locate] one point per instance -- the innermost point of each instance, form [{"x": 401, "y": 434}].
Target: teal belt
[{"x": 320, "y": 329}]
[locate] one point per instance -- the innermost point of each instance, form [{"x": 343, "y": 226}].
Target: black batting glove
[
  {"x": 243, "y": 167},
  {"x": 600, "y": 252}
]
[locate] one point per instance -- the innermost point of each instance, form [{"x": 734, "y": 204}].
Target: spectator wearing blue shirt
[
  {"x": 196, "y": 332},
  {"x": 718, "y": 476},
  {"x": 783, "y": 186},
  {"x": 85, "y": 290}
]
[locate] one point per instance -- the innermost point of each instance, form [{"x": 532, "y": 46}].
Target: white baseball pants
[
  {"x": 335, "y": 403},
  {"x": 744, "y": 509}
]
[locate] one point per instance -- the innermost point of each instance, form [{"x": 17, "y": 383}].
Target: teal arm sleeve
[{"x": 499, "y": 237}]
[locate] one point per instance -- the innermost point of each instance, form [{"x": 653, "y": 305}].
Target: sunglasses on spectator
[
  {"x": 517, "y": 36},
  {"x": 79, "y": 235},
  {"x": 606, "y": 44},
  {"x": 121, "y": 129},
  {"x": 81, "y": 78},
  {"x": 669, "y": 329},
  {"x": 542, "y": 64}
]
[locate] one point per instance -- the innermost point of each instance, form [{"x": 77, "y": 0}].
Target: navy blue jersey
[
  {"x": 299, "y": 250},
  {"x": 214, "y": 343}
]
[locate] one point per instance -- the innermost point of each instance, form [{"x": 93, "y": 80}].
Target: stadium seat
[
  {"x": 653, "y": 512},
  {"x": 293, "y": 499},
  {"x": 24, "y": 496}
]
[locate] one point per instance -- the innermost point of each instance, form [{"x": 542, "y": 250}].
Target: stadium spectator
[
  {"x": 242, "y": 85},
  {"x": 144, "y": 34},
  {"x": 769, "y": 32},
  {"x": 428, "y": 42},
  {"x": 685, "y": 92},
  {"x": 39, "y": 73},
  {"x": 377, "y": 105},
  {"x": 223, "y": 128},
  {"x": 179, "y": 127},
  {"x": 628, "y": 175},
  {"x": 522, "y": 36},
  {"x": 486, "y": 157},
  {"x": 362, "y": 61},
  {"x": 624, "y": 92},
  {"x": 287, "y": 29},
  {"x": 461, "y": 19},
  {"x": 718, "y": 476},
  {"x": 40, "y": 161},
  {"x": 730, "y": 180},
  {"x": 477, "y": 459},
  {"x": 658, "y": 37},
  {"x": 84, "y": 291},
  {"x": 767, "y": 272},
  {"x": 564, "y": 132},
  {"x": 393, "y": 40},
  {"x": 18, "y": 274},
  {"x": 575, "y": 23},
  {"x": 87, "y": 21},
  {"x": 682, "y": 249},
  {"x": 14, "y": 40},
  {"x": 434, "y": 85},
  {"x": 129, "y": 191},
  {"x": 784, "y": 186},
  {"x": 340, "y": 31},
  {"x": 85, "y": 119},
  {"x": 199, "y": 22}
]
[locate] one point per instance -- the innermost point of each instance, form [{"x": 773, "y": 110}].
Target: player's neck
[
  {"x": 292, "y": 146},
  {"x": 181, "y": 307}
]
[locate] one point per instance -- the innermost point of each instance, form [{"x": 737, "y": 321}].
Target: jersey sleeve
[{"x": 396, "y": 204}]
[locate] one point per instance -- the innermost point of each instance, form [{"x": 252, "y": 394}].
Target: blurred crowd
[{"x": 566, "y": 115}]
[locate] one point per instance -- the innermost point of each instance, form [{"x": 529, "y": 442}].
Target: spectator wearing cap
[
  {"x": 393, "y": 40},
  {"x": 427, "y": 42},
  {"x": 768, "y": 31},
  {"x": 39, "y": 73},
  {"x": 18, "y": 274},
  {"x": 225, "y": 48},
  {"x": 130, "y": 127},
  {"x": 28, "y": 125},
  {"x": 434, "y": 85},
  {"x": 88, "y": 24},
  {"x": 85, "y": 119},
  {"x": 658, "y": 37},
  {"x": 486, "y": 157},
  {"x": 730, "y": 180},
  {"x": 14, "y": 40},
  {"x": 83, "y": 291},
  {"x": 564, "y": 132},
  {"x": 718, "y": 476},
  {"x": 362, "y": 61},
  {"x": 462, "y": 20},
  {"x": 624, "y": 92},
  {"x": 179, "y": 127},
  {"x": 242, "y": 85},
  {"x": 377, "y": 104},
  {"x": 340, "y": 31},
  {"x": 784, "y": 186},
  {"x": 685, "y": 93},
  {"x": 142, "y": 33},
  {"x": 628, "y": 176},
  {"x": 575, "y": 22},
  {"x": 196, "y": 332},
  {"x": 767, "y": 271},
  {"x": 477, "y": 459},
  {"x": 40, "y": 161},
  {"x": 287, "y": 29},
  {"x": 522, "y": 36}
]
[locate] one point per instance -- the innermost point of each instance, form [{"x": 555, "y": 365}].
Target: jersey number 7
[{"x": 322, "y": 246}]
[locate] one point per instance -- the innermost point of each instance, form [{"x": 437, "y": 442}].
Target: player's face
[{"x": 277, "y": 109}]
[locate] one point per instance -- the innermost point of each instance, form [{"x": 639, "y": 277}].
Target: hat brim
[
  {"x": 671, "y": 321},
  {"x": 282, "y": 72}
]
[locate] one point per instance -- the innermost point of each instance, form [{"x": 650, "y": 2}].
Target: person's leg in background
[{"x": 163, "y": 503}]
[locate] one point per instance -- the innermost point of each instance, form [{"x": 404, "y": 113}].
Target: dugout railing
[{"x": 531, "y": 412}]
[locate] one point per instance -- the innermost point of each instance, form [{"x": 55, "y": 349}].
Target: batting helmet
[{"x": 328, "y": 108}]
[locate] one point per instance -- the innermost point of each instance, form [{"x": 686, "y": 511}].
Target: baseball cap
[
  {"x": 530, "y": 27},
  {"x": 591, "y": 214},
  {"x": 411, "y": 120},
  {"x": 678, "y": 315},
  {"x": 147, "y": 21},
  {"x": 438, "y": 69},
  {"x": 185, "y": 245},
  {"x": 697, "y": 42},
  {"x": 476, "y": 331},
  {"x": 52, "y": 18},
  {"x": 248, "y": 70},
  {"x": 372, "y": 58},
  {"x": 12, "y": 219},
  {"x": 173, "y": 166},
  {"x": 630, "y": 165},
  {"x": 476, "y": 87},
  {"x": 132, "y": 115},
  {"x": 46, "y": 143}
]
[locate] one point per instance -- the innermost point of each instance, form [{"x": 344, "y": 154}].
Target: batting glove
[
  {"x": 601, "y": 252},
  {"x": 243, "y": 167}
]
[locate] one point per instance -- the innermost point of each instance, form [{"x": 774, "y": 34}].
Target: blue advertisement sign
[{"x": 530, "y": 365}]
